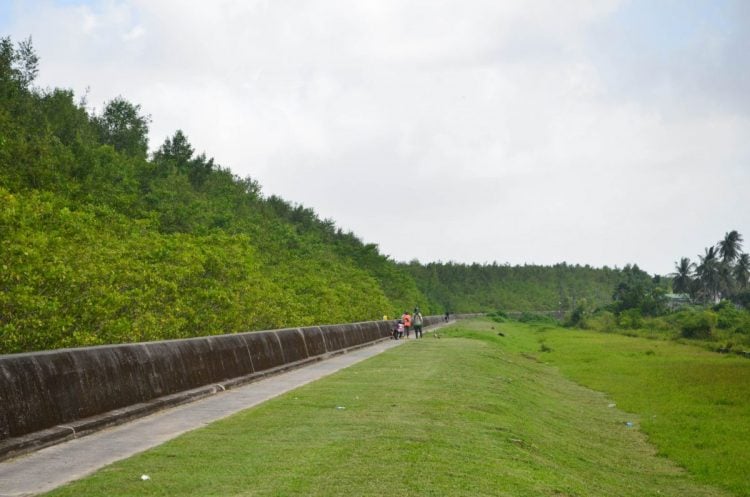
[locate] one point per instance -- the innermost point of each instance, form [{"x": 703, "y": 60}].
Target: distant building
[{"x": 677, "y": 300}]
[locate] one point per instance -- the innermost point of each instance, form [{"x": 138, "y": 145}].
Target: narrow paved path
[{"x": 51, "y": 467}]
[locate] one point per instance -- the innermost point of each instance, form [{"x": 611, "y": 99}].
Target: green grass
[
  {"x": 693, "y": 404},
  {"x": 470, "y": 414}
]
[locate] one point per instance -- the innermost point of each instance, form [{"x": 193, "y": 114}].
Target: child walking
[{"x": 398, "y": 330}]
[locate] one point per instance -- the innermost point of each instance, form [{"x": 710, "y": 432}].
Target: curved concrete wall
[
  {"x": 45, "y": 389},
  {"x": 62, "y": 393}
]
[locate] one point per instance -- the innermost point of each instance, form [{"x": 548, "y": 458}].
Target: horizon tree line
[{"x": 722, "y": 272}]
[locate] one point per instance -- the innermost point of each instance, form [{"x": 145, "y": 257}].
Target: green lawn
[{"x": 472, "y": 414}]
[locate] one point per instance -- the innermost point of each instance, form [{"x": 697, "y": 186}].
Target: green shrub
[
  {"x": 603, "y": 321},
  {"x": 743, "y": 325},
  {"x": 728, "y": 316},
  {"x": 580, "y": 315},
  {"x": 498, "y": 316},
  {"x": 630, "y": 319},
  {"x": 697, "y": 324}
]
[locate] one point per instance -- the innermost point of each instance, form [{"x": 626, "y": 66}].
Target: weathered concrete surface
[
  {"x": 53, "y": 466},
  {"x": 46, "y": 397}
]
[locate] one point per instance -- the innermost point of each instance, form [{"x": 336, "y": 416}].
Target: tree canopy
[
  {"x": 722, "y": 271},
  {"x": 102, "y": 242}
]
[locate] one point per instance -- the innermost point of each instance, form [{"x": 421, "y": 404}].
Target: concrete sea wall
[{"x": 46, "y": 397}]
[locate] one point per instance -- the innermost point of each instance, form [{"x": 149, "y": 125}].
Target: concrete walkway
[{"x": 53, "y": 466}]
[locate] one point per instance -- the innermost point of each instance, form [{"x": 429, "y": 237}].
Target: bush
[
  {"x": 630, "y": 319},
  {"x": 498, "y": 316},
  {"x": 661, "y": 324},
  {"x": 603, "y": 321},
  {"x": 697, "y": 324},
  {"x": 728, "y": 316},
  {"x": 579, "y": 316}
]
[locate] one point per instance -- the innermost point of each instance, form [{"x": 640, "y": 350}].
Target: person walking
[
  {"x": 406, "y": 318},
  {"x": 417, "y": 322},
  {"x": 398, "y": 330}
]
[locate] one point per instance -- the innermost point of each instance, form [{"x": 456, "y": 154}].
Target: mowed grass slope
[
  {"x": 693, "y": 404},
  {"x": 465, "y": 415}
]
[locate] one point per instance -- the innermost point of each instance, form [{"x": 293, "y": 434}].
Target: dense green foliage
[
  {"x": 723, "y": 327},
  {"x": 487, "y": 287},
  {"x": 641, "y": 305},
  {"x": 723, "y": 271},
  {"x": 637, "y": 290},
  {"x": 92, "y": 276},
  {"x": 102, "y": 242}
]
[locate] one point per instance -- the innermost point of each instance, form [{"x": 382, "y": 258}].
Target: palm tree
[
  {"x": 709, "y": 275},
  {"x": 730, "y": 247},
  {"x": 741, "y": 271},
  {"x": 682, "y": 281},
  {"x": 726, "y": 279}
]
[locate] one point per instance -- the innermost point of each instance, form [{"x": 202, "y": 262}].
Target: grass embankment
[
  {"x": 469, "y": 414},
  {"x": 693, "y": 404}
]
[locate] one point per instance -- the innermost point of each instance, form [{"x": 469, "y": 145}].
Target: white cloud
[{"x": 509, "y": 131}]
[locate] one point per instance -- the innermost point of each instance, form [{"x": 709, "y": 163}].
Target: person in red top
[{"x": 407, "y": 322}]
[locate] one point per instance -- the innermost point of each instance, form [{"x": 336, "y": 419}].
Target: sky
[{"x": 600, "y": 132}]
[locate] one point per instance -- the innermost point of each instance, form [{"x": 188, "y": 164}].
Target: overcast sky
[{"x": 599, "y": 132}]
